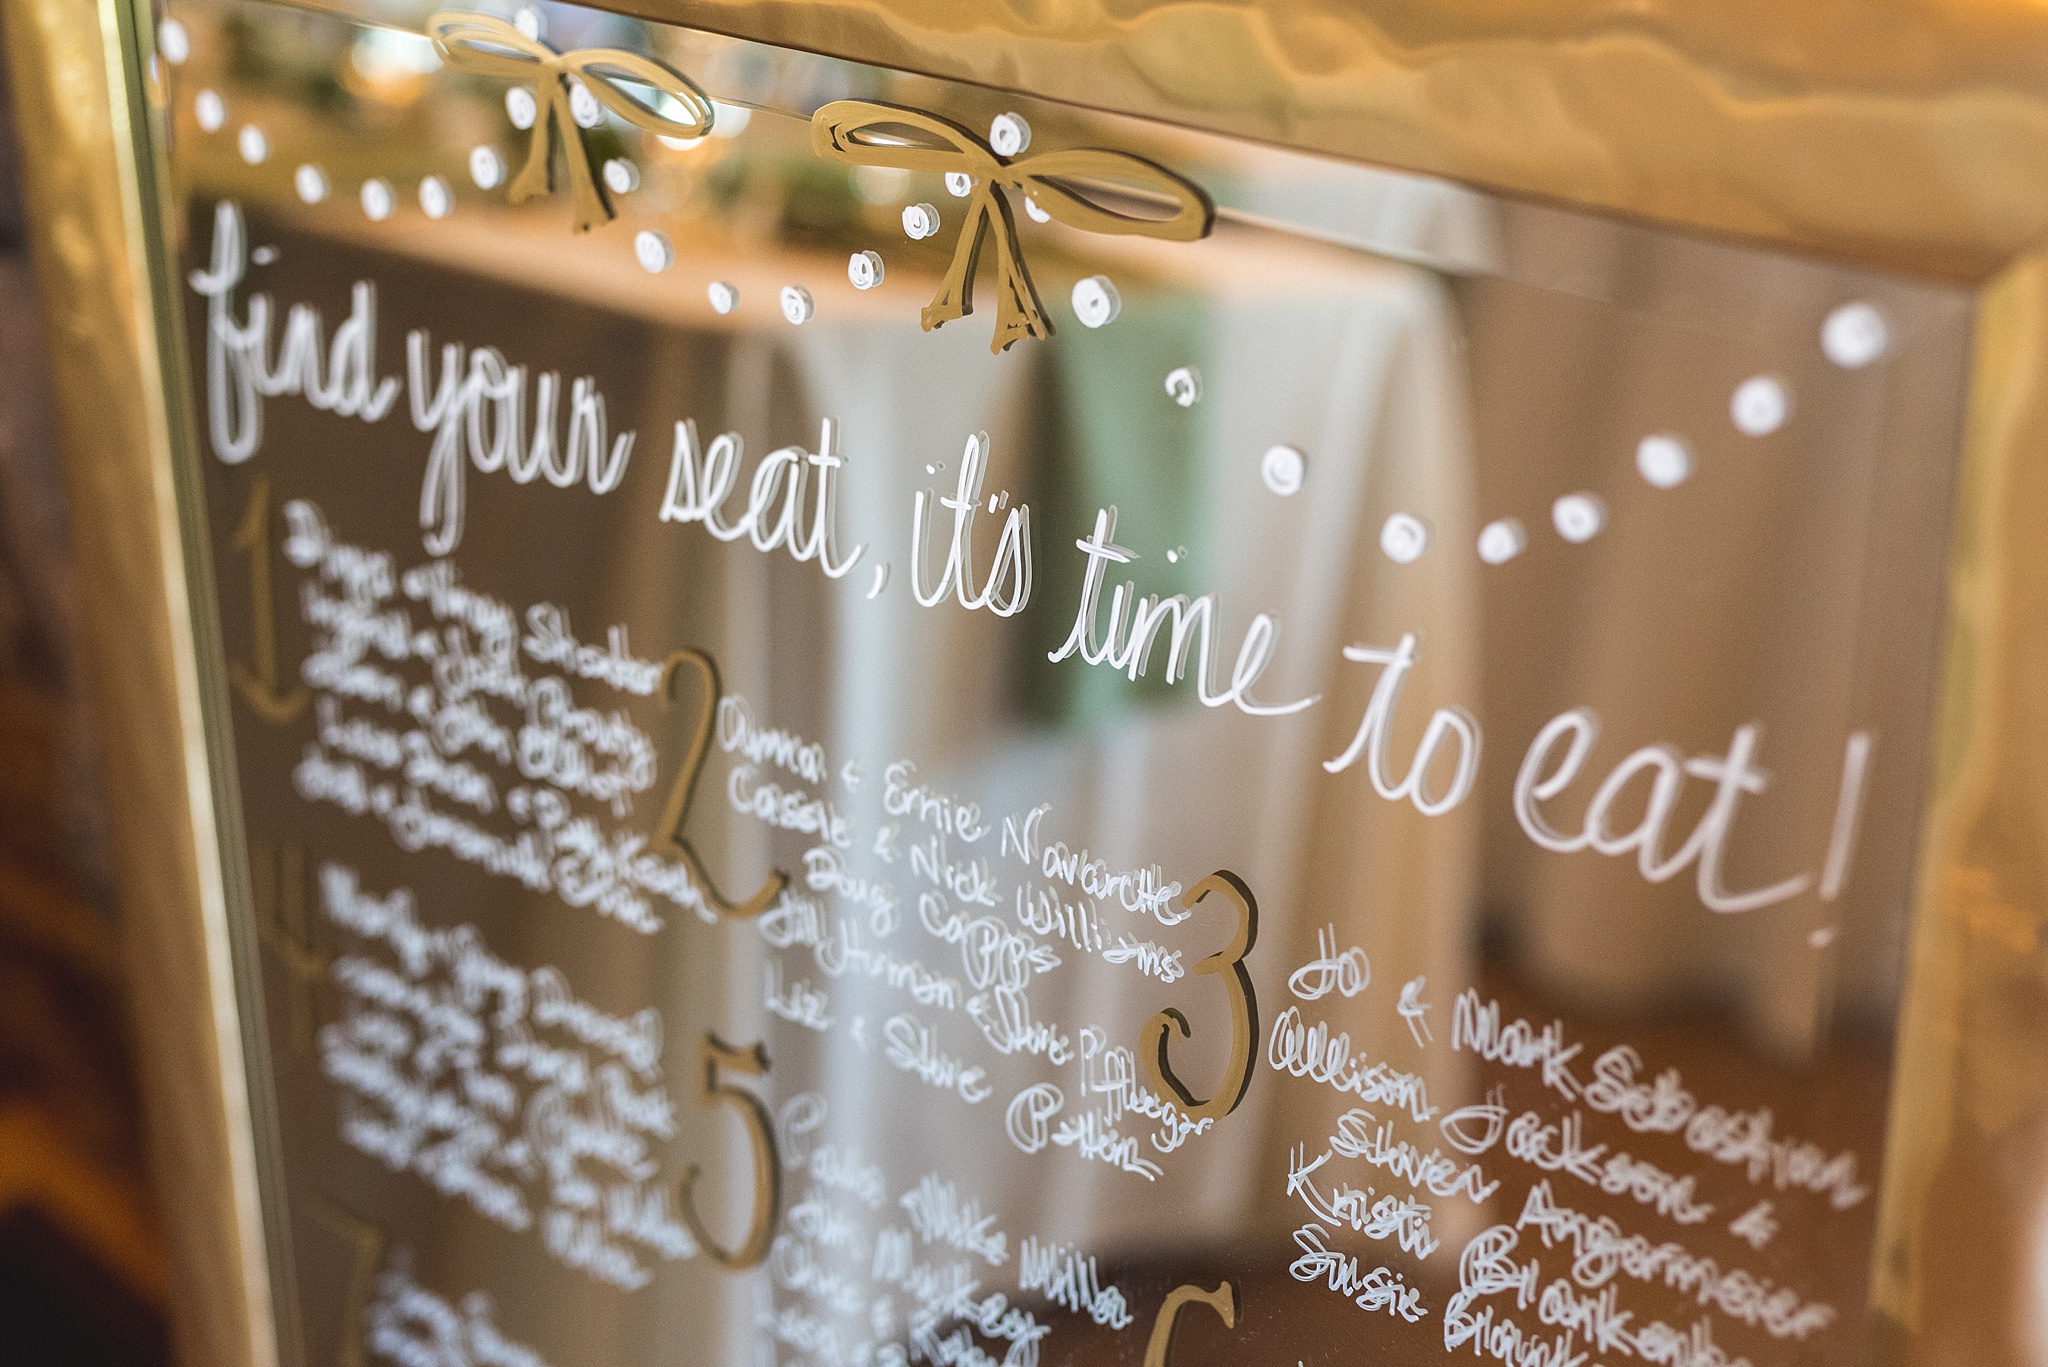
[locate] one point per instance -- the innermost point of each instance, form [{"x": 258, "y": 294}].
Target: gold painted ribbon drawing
[
  {"x": 861, "y": 133},
  {"x": 493, "y": 47}
]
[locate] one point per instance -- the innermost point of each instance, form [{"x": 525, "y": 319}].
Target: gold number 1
[{"x": 259, "y": 685}]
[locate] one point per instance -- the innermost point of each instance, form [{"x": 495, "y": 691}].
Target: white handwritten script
[
  {"x": 488, "y": 415},
  {"x": 951, "y": 968},
  {"x": 499, "y": 1087},
  {"x": 415, "y": 673},
  {"x": 414, "y": 1327}
]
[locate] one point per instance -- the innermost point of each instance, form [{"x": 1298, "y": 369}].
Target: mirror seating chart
[{"x": 876, "y": 722}]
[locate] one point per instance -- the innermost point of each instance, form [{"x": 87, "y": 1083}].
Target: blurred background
[{"x": 81, "y": 1265}]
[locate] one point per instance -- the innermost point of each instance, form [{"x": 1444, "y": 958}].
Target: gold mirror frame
[{"x": 1905, "y": 134}]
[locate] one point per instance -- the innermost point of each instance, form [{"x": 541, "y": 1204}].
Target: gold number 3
[
  {"x": 1223, "y": 1300},
  {"x": 753, "y": 1250},
  {"x": 670, "y": 831},
  {"x": 1244, "y": 1008}
]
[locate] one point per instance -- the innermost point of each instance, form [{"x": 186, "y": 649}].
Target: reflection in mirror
[{"x": 971, "y": 731}]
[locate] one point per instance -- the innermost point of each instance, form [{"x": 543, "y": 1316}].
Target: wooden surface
[
  {"x": 70, "y": 1123},
  {"x": 100, "y": 322}
]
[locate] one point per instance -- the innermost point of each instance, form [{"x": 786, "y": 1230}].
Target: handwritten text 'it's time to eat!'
[{"x": 475, "y": 405}]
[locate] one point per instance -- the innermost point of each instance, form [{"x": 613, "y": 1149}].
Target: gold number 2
[
  {"x": 259, "y": 684},
  {"x": 670, "y": 831},
  {"x": 1223, "y": 1300},
  {"x": 1244, "y": 1008},
  {"x": 753, "y": 1061}
]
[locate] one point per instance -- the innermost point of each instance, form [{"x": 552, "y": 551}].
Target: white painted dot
[
  {"x": 210, "y": 110},
  {"x": 311, "y": 183},
  {"x": 1184, "y": 386},
  {"x": 1009, "y": 134},
  {"x": 1403, "y": 538},
  {"x": 436, "y": 199},
  {"x": 1760, "y": 406},
  {"x": 959, "y": 184},
  {"x": 1578, "y": 517},
  {"x": 1820, "y": 937},
  {"x": 530, "y": 22},
  {"x": 1502, "y": 540},
  {"x": 263, "y": 256},
  {"x": 724, "y": 297},
  {"x": 864, "y": 269},
  {"x": 920, "y": 221},
  {"x": 1665, "y": 461},
  {"x": 583, "y": 106},
  {"x": 653, "y": 250},
  {"x": 621, "y": 177},
  {"x": 1854, "y": 335},
  {"x": 377, "y": 200},
  {"x": 173, "y": 42},
  {"x": 1096, "y": 302},
  {"x": 1283, "y": 468},
  {"x": 486, "y": 168},
  {"x": 520, "y": 108},
  {"x": 253, "y": 146},
  {"x": 1034, "y": 213},
  {"x": 796, "y": 304}
]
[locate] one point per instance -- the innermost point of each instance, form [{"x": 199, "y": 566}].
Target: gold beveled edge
[
  {"x": 1965, "y": 1189},
  {"x": 83, "y": 129},
  {"x": 1774, "y": 126},
  {"x": 1905, "y": 135}
]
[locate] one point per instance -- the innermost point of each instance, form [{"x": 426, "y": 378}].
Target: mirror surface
[{"x": 1352, "y": 800}]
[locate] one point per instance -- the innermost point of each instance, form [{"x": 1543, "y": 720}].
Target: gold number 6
[
  {"x": 753, "y": 1250},
  {"x": 670, "y": 831},
  {"x": 1244, "y": 1008},
  {"x": 1223, "y": 1300}
]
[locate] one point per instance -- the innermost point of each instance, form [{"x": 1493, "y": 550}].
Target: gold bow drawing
[
  {"x": 492, "y": 47},
  {"x": 861, "y": 133}
]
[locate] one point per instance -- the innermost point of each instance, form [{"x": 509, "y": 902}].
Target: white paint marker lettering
[
  {"x": 1848, "y": 814},
  {"x": 1013, "y": 547},
  {"x": 1130, "y": 649},
  {"x": 1733, "y": 776},
  {"x": 1371, "y": 737},
  {"x": 239, "y": 375},
  {"x": 698, "y": 487}
]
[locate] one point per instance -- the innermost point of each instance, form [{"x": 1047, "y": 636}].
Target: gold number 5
[
  {"x": 753, "y": 1250},
  {"x": 670, "y": 831},
  {"x": 1223, "y": 1300},
  {"x": 1244, "y": 1008}
]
